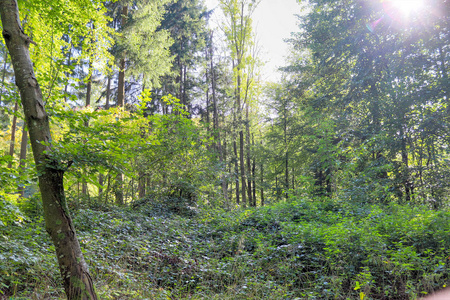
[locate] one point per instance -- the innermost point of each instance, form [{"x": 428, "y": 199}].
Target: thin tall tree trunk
[
  {"x": 241, "y": 161},
  {"x": 23, "y": 156},
  {"x": 74, "y": 271},
  {"x": 84, "y": 186},
  {"x": 286, "y": 176},
  {"x": 254, "y": 172},
  {"x": 100, "y": 186},
  {"x": 406, "y": 180},
  {"x": 141, "y": 173},
  {"x": 249, "y": 166},
  {"x": 108, "y": 92},
  {"x": 13, "y": 134},
  {"x": 262, "y": 179},
  {"x": 180, "y": 77},
  {"x": 5, "y": 61},
  {"x": 236, "y": 170},
  {"x": 186, "y": 107},
  {"x": 66, "y": 86},
  {"x": 293, "y": 178},
  {"x": 141, "y": 184},
  {"x": 108, "y": 188},
  {"x": 276, "y": 188},
  {"x": 118, "y": 190},
  {"x": 207, "y": 101},
  {"x": 148, "y": 183},
  {"x": 241, "y": 137},
  {"x": 229, "y": 165},
  {"x": 121, "y": 103},
  {"x": 121, "y": 83}
]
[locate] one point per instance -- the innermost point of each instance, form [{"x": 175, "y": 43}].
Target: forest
[{"x": 143, "y": 155}]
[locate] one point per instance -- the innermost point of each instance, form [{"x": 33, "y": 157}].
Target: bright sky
[{"x": 273, "y": 20}]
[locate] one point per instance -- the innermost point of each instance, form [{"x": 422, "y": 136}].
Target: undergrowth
[{"x": 296, "y": 250}]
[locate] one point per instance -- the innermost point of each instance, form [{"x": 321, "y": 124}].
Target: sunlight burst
[{"x": 407, "y": 6}]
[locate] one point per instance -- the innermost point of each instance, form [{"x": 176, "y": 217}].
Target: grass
[{"x": 295, "y": 250}]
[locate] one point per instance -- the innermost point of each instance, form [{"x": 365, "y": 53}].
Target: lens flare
[
  {"x": 371, "y": 26},
  {"x": 402, "y": 9},
  {"x": 406, "y": 7}
]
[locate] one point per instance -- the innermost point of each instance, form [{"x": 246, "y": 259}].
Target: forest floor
[{"x": 299, "y": 249}]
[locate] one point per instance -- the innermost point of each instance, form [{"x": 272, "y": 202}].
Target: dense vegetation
[
  {"x": 187, "y": 176},
  {"x": 296, "y": 249}
]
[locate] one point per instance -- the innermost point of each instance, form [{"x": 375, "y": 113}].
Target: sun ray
[{"x": 406, "y": 7}]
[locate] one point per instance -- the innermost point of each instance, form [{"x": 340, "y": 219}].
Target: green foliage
[
  {"x": 10, "y": 212},
  {"x": 370, "y": 102},
  {"x": 303, "y": 249},
  {"x": 145, "y": 46}
]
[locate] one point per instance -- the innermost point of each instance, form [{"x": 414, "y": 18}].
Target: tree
[
  {"x": 238, "y": 30},
  {"x": 370, "y": 70},
  {"x": 186, "y": 22},
  {"x": 74, "y": 271}
]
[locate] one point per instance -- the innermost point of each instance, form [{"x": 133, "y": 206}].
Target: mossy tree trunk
[{"x": 74, "y": 271}]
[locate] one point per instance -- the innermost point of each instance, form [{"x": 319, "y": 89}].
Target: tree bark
[
  {"x": 66, "y": 86},
  {"x": 108, "y": 92},
  {"x": 3, "y": 74},
  {"x": 100, "y": 188},
  {"x": 121, "y": 83},
  {"x": 13, "y": 134},
  {"x": 254, "y": 172},
  {"x": 249, "y": 168},
  {"x": 74, "y": 271},
  {"x": 241, "y": 161},
  {"x": 23, "y": 156},
  {"x": 262, "y": 177},
  {"x": 236, "y": 171},
  {"x": 84, "y": 189},
  {"x": 121, "y": 103}
]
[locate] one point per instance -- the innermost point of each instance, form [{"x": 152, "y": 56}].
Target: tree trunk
[
  {"x": 13, "y": 134},
  {"x": 66, "y": 86},
  {"x": 121, "y": 103},
  {"x": 186, "y": 106},
  {"x": 241, "y": 161},
  {"x": 262, "y": 184},
  {"x": 84, "y": 189},
  {"x": 236, "y": 171},
  {"x": 262, "y": 177},
  {"x": 100, "y": 188},
  {"x": 141, "y": 184},
  {"x": 228, "y": 169},
  {"x": 3, "y": 74},
  {"x": 118, "y": 190},
  {"x": 293, "y": 178},
  {"x": 74, "y": 271},
  {"x": 249, "y": 168},
  {"x": 23, "y": 157},
  {"x": 108, "y": 92},
  {"x": 405, "y": 173},
  {"x": 121, "y": 83},
  {"x": 254, "y": 172},
  {"x": 286, "y": 176},
  {"x": 207, "y": 101}
]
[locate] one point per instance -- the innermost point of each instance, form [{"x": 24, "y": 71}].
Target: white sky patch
[{"x": 273, "y": 22}]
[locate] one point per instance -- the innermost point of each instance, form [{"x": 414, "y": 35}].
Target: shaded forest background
[{"x": 333, "y": 181}]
